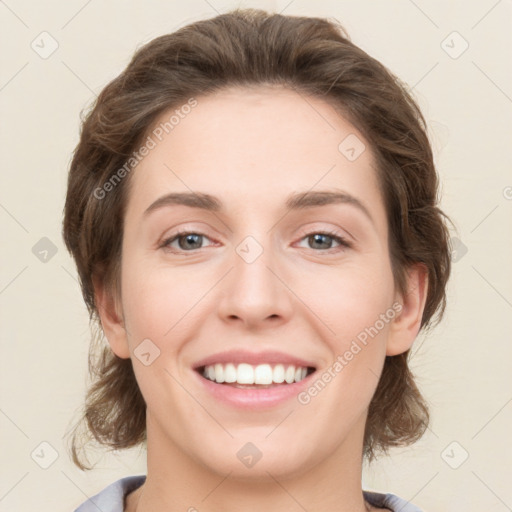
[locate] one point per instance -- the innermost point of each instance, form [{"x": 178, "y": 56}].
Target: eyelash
[{"x": 343, "y": 242}]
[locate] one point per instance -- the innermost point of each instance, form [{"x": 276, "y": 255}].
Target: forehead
[{"x": 251, "y": 143}]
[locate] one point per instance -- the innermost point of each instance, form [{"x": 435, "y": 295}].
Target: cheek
[
  {"x": 349, "y": 299},
  {"x": 158, "y": 302}
]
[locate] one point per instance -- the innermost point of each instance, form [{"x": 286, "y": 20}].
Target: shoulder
[
  {"x": 389, "y": 501},
  {"x": 111, "y": 499}
]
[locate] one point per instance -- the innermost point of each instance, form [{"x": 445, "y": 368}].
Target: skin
[{"x": 252, "y": 148}]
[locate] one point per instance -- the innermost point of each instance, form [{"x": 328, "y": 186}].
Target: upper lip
[{"x": 253, "y": 358}]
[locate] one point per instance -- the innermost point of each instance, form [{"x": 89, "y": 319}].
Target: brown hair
[{"x": 243, "y": 48}]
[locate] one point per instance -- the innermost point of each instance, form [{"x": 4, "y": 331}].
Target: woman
[{"x": 252, "y": 208}]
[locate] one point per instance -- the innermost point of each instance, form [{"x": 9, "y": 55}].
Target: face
[{"x": 280, "y": 261}]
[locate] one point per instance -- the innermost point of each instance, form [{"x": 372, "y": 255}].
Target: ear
[
  {"x": 407, "y": 323},
  {"x": 111, "y": 319}
]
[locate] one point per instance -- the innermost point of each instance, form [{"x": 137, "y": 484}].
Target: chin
[{"x": 257, "y": 457}]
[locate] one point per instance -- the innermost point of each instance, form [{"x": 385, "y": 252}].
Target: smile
[
  {"x": 247, "y": 380},
  {"x": 245, "y": 374}
]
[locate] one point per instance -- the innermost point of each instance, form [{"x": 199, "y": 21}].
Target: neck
[{"x": 177, "y": 482}]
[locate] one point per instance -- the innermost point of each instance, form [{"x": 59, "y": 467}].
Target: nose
[{"x": 255, "y": 293}]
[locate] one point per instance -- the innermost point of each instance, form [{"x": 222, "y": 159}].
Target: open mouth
[{"x": 244, "y": 375}]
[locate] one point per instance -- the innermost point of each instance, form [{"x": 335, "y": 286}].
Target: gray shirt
[{"x": 111, "y": 499}]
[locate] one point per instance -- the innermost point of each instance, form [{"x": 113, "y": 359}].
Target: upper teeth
[{"x": 249, "y": 374}]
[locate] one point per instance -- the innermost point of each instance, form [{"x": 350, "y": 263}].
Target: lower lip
[{"x": 254, "y": 398}]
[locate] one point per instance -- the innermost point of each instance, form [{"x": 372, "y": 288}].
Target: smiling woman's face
[{"x": 256, "y": 282}]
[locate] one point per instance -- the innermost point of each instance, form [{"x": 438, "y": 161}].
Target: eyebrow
[{"x": 296, "y": 201}]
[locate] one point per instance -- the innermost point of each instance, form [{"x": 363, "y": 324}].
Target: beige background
[{"x": 463, "y": 367}]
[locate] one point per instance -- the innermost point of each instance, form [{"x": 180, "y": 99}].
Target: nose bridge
[{"x": 253, "y": 292}]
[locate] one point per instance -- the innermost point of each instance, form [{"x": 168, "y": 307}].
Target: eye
[
  {"x": 187, "y": 241},
  {"x": 323, "y": 240}
]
